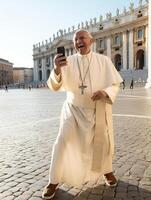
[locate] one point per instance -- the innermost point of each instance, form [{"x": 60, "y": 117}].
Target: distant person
[
  {"x": 132, "y": 84},
  {"x": 123, "y": 84},
  {"x": 29, "y": 87},
  {"x": 140, "y": 81},
  {"x": 6, "y": 88}
]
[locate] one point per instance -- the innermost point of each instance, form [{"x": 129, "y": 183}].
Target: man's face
[{"x": 82, "y": 42}]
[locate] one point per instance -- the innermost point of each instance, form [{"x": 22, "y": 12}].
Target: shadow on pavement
[{"x": 123, "y": 191}]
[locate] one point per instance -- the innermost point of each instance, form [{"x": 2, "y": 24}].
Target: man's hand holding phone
[{"x": 60, "y": 60}]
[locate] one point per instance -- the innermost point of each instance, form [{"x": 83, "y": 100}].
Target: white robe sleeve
[
  {"x": 114, "y": 80},
  {"x": 112, "y": 92},
  {"x": 54, "y": 81}
]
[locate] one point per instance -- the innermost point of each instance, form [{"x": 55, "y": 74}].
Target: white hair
[{"x": 82, "y": 30}]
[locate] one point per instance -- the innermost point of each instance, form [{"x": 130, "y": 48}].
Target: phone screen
[{"x": 61, "y": 50}]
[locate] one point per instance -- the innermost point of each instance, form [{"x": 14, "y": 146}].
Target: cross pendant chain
[{"x": 82, "y": 87}]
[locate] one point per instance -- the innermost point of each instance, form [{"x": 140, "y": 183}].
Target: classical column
[
  {"x": 146, "y": 47},
  {"x": 124, "y": 50},
  {"x": 148, "y": 84},
  {"x": 108, "y": 42},
  {"x": 131, "y": 50},
  {"x": 52, "y": 58},
  {"x": 94, "y": 46},
  {"x": 44, "y": 69},
  {"x": 35, "y": 70}
]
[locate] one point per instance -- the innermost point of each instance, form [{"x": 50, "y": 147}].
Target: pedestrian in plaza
[
  {"x": 84, "y": 146},
  {"x": 132, "y": 84},
  {"x": 6, "y": 88},
  {"x": 123, "y": 84}
]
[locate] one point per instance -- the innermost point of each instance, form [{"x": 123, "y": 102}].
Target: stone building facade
[
  {"x": 6, "y": 72},
  {"x": 22, "y": 75},
  {"x": 123, "y": 37}
]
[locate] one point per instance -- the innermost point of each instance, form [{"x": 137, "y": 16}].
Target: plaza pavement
[{"x": 28, "y": 127}]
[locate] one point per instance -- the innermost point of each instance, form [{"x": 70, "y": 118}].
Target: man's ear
[{"x": 92, "y": 40}]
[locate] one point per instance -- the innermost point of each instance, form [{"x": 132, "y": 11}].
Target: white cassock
[{"x": 84, "y": 146}]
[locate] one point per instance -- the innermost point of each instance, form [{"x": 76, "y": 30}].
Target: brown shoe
[
  {"x": 110, "y": 179},
  {"x": 49, "y": 191}
]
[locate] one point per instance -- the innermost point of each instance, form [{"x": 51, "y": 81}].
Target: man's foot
[
  {"x": 110, "y": 179},
  {"x": 49, "y": 191}
]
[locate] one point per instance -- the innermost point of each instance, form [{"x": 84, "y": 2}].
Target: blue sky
[{"x": 27, "y": 22}]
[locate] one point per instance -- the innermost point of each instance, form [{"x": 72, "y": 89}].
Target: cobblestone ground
[{"x": 28, "y": 126}]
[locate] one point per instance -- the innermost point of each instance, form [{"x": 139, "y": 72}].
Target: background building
[
  {"x": 6, "y": 72},
  {"x": 123, "y": 37},
  {"x": 22, "y": 75}
]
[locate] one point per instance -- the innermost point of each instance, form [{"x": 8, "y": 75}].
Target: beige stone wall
[
  {"x": 22, "y": 75},
  {"x": 18, "y": 75},
  {"x": 6, "y": 72}
]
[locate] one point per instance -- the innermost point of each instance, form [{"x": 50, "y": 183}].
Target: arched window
[
  {"x": 118, "y": 62},
  {"x": 40, "y": 75},
  {"x": 140, "y": 59},
  {"x": 140, "y": 34},
  {"x": 48, "y": 73}
]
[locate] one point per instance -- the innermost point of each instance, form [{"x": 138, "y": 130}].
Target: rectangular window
[
  {"x": 39, "y": 62},
  {"x": 102, "y": 44},
  {"x": 117, "y": 40},
  {"x": 47, "y": 60},
  {"x": 140, "y": 34}
]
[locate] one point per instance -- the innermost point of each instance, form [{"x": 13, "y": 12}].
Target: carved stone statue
[
  {"x": 117, "y": 12},
  {"x": 78, "y": 26},
  {"x": 94, "y": 20},
  {"x": 61, "y": 32},
  {"x": 86, "y": 24},
  {"x": 108, "y": 15},
  {"x": 73, "y": 28},
  {"x": 131, "y": 7},
  {"x": 91, "y": 22},
  {"x": 124, "y": 10},
  {"x": 54, "y": 36},
  {"x": 82, "y": 24},
  {"x": 101, "y": 18},
  {"x": 140, "y": 3}
]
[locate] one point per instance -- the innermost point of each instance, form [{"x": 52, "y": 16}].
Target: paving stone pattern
[{"x": 29, "y": 122}]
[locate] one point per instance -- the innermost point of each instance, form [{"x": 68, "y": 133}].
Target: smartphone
[{"x": 61, "y": 50}]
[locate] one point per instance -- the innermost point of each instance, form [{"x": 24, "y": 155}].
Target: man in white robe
[{"x": 84, "y": 147}]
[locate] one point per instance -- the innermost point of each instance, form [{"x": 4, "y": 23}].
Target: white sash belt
[{"x": 83, "y": 101}]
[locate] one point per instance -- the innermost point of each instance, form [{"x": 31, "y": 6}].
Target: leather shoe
[
  {"x": 49, "y": 191},
  {"x": 110, "y": 179}
]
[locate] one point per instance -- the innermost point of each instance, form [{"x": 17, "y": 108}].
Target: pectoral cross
[{"x": 82, "y": 87}]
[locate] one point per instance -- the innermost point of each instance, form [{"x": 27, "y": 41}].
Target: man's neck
[{"x": 83, "y": 55}]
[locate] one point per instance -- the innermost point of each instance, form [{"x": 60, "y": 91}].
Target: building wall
[
  {"x": 28, "y": 75},
  {"x": 123, "y": 38},
  {"x": 6, "y": 72},
  {"x": 18, "y": 75},
  {"x": 22, "y": 75}
]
